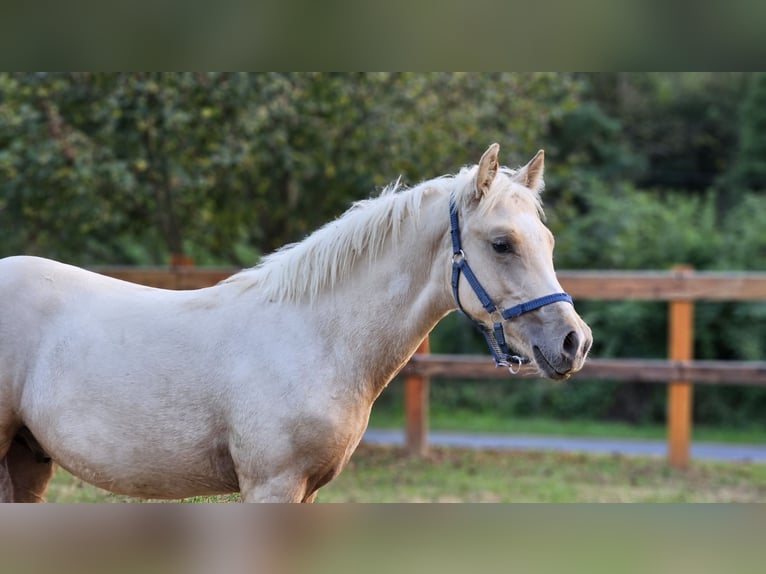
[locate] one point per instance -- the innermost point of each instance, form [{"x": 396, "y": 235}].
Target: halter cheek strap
[{"x": 494, "y": 336}]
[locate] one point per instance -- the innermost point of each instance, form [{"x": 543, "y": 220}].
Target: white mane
[{"x": 301, "y": 271}]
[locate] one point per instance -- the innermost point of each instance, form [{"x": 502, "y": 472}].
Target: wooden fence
[{"x": 681, "y": 288}]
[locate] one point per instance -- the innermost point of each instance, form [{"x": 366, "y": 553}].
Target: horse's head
[{"x": 510, "y": 252}]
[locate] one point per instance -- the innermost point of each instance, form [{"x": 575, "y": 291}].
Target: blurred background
[{"x": 643, "y": 171}]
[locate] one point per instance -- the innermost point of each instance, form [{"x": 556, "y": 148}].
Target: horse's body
[{"x": 262, "y": 384}]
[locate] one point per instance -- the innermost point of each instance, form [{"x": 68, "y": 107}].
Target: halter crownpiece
[{"x": 494, "y": 336}]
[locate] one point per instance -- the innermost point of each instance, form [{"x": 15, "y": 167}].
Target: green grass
[
  {"x": 471, "y": 421},
  {"x": 385, "y": 474},
  {"x": 66, "y": 488}
]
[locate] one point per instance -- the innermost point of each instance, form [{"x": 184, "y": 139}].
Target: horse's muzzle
[{"x": 560, "y": 363}]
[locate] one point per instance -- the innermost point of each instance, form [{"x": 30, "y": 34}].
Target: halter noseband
[{"x": 494, "y": 336}]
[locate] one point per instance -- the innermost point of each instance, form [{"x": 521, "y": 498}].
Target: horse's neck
[{"x": 389, "y": 306}]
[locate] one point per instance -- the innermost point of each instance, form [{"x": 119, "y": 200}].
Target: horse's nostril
[{"x": 571, "y": 344}]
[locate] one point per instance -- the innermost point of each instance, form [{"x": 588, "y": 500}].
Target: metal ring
[
  {"x": 519, "y": 363},
  {"x": 458, "y": 257}
]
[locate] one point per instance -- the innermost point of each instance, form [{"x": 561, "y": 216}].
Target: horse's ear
[
  {"x": 487, "y": 170},
  {"x": 531, "y": 175}
]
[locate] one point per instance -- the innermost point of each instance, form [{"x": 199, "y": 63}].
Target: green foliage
[
  {"x": 133, "y": 167},
  {"x": 749, "y": 169},
  {"x": 620, "y": 227},
  {"x": 604, "y": 153},
  {"x": 678, "y": 129}
]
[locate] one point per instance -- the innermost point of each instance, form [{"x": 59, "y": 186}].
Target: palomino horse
[{"x": 263, "y": 383}]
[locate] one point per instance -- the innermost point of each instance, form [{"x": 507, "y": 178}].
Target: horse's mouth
[{"x": 546, "y": 368}]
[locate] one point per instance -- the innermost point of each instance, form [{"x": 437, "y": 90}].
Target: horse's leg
[
  {"x": 6, "y": 486},
  {"x": 277, "y": 489},
  {"x": 29, "y": 472},
  {"x": 7, "y": 431}
]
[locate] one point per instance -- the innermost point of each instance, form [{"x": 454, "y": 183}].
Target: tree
[
  {"x": 134, "y": 167},
  {"x": 749, "y": 169}
]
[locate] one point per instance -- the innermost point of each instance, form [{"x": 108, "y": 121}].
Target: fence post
[
  {"x": 416, "y": 409},
  {"x": 178, "y": 262},
  {"x": 680, "y": 348}
]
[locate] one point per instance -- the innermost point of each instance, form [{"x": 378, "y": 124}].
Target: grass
[
  {"x": 385, "y": 474},
  {"x": 472, "y": 421},
  {"x": 65, "y": 488}
]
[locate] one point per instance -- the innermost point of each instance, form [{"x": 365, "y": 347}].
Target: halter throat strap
[{"x": 495, "y": 337}]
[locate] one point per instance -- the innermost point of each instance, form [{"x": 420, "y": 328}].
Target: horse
[{"x": 263, "y": 383}]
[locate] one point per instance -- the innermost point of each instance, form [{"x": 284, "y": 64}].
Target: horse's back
[{"x": 30, "y": 276}]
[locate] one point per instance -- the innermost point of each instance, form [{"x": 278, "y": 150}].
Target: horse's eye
[{"x": 502, "y": 246}]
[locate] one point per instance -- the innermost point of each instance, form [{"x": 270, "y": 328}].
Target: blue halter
[{"x": 494, "y": 336}]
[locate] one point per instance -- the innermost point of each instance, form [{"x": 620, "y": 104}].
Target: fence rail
[
  {"x": 680, "y": 287},
  {"x": 179, "y": 278},
  {"x": 681, "y": 284},
  {"x": 752, "y": 373}
]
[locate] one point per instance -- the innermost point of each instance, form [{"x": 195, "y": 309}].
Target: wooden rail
[
  {"x": 680, "y": 284},
  {"x": 181, "y": 277},
  {"x": 680, "y": 287},
  {"x": 750, "y": 373}
]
